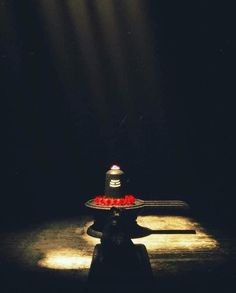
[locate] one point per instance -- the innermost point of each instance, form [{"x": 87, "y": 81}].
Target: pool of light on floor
[
  {"x": 175, "y": 242},
  {"x": 65, "y": 245},
  {"x": 65, "y": 259},
  {"x": 200, "y": 241}
]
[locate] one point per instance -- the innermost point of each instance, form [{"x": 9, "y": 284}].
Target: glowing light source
[{"x": 65, "y": 259}]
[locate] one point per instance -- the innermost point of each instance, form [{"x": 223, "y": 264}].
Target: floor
[{"x": 55, "y": 256}]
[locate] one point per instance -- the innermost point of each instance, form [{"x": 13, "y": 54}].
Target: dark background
[{"x": 149, "y": 85}]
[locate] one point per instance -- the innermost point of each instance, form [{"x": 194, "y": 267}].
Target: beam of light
[
  {"x": 65, "y": 259},
  {"x": 114, "y": 44},
  {"x": 52, "y": 22},
  {"x": 80, "y": 15},
  {"x": 68, "y": 65},
  {"x": 136, "y": 15},
  {"x": 119, "y": 58}
]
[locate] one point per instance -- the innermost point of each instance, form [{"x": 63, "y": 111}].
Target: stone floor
[{"x": 56, "y": 256}]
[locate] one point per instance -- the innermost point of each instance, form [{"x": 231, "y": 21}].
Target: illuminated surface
[
  {"x": 171, "y": 243},
  {"x": 199, "y": 241},
  {"x": 65, "y": 246},
  {"x": 65, "y": 259},
  {"x": 115, "y": 183}
]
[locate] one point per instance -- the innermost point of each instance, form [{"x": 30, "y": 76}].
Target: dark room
[{"x": 119, "y": 169}]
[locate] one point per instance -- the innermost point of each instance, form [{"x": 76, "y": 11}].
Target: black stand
[
  {"x": 132, "y": 227},
  {"x": 118, "y": 265}
]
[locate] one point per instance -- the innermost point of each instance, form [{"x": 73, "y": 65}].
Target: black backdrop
[{"x": 146, "y": 84}]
